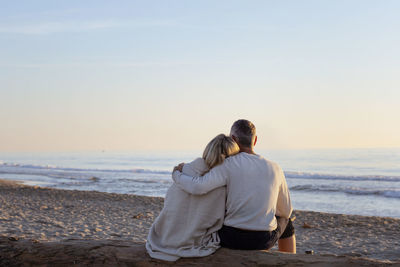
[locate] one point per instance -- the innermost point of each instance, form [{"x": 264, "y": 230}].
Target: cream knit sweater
[{"x": 187, "y": 225}]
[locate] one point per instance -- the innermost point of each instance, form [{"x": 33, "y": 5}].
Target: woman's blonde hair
[{"x": 219, "y": 148}]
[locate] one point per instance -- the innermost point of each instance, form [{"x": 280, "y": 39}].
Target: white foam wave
[
  {"x": 390, "y": 193},
  {"x": 25, "y": 168},
  {"x": 322, "y": 176},
  {"x": 55, "y": 168}
]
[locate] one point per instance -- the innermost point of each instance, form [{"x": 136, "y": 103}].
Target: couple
[{"x": 231, "y": 197}]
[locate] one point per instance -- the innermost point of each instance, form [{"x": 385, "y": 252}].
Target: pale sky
[{"x": 170, "y": 75}]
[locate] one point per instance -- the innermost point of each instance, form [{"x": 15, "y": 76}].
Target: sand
[{"x": 37, "y": 216}]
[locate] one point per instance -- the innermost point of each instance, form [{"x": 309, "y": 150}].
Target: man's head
[{"x": 244, "y": 133}]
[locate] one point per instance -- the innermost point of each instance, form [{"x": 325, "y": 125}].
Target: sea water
[{"x": 348, "y": 181}]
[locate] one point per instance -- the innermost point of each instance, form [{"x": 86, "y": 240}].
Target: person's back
[
  {"x": 254, "y": 185},
  {"x": 187, "y": 225}
]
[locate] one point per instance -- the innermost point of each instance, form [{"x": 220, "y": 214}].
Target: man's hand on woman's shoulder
[{"x": 178, "y": 168}]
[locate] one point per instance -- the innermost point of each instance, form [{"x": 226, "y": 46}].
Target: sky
[{"x": 171, "y": 75}]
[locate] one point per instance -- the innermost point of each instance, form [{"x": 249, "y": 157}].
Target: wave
[
  {"x": 155, "y": 178},
  {"x": 322, "y": 176},
  {"x": 16, "y": 168},
  {"x": 390, "y": 193},
  {"x": 56, "y": 168}
]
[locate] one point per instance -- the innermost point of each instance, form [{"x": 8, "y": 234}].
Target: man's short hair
[{"x": 244, "y": 131}]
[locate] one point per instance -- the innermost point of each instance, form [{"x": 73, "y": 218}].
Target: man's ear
[{"x": 255, "y": 141}]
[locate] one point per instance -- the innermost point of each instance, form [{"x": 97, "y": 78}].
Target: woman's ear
[{"x": 255, "y": 141}]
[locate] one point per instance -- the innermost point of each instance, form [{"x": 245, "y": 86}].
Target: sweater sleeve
[
  {"x": 201, "y": 185},
  {"x": 284, "y": 205}
]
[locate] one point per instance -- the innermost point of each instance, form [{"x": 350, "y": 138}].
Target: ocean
[{"x": 347, "y": 181}]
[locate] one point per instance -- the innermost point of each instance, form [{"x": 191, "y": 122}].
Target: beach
[{"x": 35, "y": 216}]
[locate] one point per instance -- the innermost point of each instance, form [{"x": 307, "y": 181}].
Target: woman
[{"x": 187, "y": 225}]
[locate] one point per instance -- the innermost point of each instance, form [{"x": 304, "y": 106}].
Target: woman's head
[{"x": 218, "y": 149}]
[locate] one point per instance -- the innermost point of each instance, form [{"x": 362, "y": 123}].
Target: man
[{"x": 258, "y": 204}]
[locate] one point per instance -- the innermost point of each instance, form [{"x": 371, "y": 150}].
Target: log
[{"x": 74, "y": 252}]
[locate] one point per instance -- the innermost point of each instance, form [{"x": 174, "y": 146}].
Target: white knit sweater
[
  {"x": 187, "y": 225},
  {"x": 256, "y": 190}
]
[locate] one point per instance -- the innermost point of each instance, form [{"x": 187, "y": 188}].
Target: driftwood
[{"x": 73, "y": 252}]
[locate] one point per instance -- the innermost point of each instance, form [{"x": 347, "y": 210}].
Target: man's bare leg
[{"x": 287, "y": 244}]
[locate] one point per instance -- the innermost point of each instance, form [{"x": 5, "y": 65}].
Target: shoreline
[
  {"x": 38, "y": 184},
  {"x": 55, "y": 215}
]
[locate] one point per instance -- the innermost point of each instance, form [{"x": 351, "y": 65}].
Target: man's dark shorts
[{"x": 236, "y": 238}]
